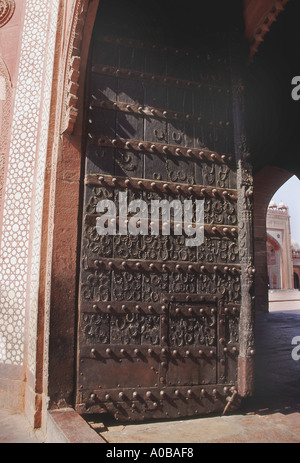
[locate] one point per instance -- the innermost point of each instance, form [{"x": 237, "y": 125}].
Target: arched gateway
[{"x": 141, "y": 326}]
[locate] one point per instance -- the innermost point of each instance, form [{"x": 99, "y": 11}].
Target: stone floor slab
[
  {"x": 15, "y": 429},
  {"x": 226, "y": 429}
]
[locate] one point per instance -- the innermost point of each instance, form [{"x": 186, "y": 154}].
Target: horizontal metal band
[
  {"x": 209, "y": 229},
  {"x": 157, "y": 113},
  {"x": 183, "y": 298},
  {"x": 114, "y": 71},
  {"x": 156, "y": 186},
  {"x": 158, "y": 353},
  {"x": 138, "y": 44},
  {"x": 119, "y": 307},
  {"x": 156, "y": 395},
  {"x": 202, "y": 305},
  {"x": 160, "y": 148},
  {"x": 149, "y": 266},
  {"x": 169, "y": 402}
]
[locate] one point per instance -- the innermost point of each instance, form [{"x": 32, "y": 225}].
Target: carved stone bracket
[
  {"x": 80, "y": 28},
  {"x": 264, "y": 25},
  {"x": 7, "y": 8},
  {"x": 73, "y": 67}
]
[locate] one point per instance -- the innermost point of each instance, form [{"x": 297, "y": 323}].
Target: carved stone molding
[
  {"x": 246, "y": 245},
  {"x": 75, "y": 60},
  {"x": 73, "y": 66},
  {"x": 7, "y": 8},
  {"x": 5, "y": 101},
  {"x": 264, "y": 25}
]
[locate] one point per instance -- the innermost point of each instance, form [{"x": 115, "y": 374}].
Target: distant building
[
  {"x": 296, "y": 264},
  {"x": 283, "y": 253}
]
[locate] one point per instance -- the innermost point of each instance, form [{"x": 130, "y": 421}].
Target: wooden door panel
[{"x": 158, "y": 324}]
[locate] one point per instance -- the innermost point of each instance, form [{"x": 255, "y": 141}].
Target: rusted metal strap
[
  {"x": 138, "y": 44},
  {"x": 161, "y": 148},
  {"x": 158, "y": 113},
  {"x": 114, "y": 71},
  {"x": 161, "y": 266},
  {"x": 157, "y": 395},
  {"x": 156, "y": 352},
  {"x": 156, "y": 308},
  {"x": 209, "y": 229},
  {"x": 159, "y": 186},
  {"x": 205, "y": 305},
  {"x": 181, "y": 298}
]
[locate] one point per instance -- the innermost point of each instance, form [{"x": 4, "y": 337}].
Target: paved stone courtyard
[{"x": 272, "y": 416}]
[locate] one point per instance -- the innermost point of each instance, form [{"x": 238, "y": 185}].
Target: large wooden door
[{"x": 158, "y": 329}]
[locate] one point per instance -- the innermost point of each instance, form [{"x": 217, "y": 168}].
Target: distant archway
[
  {"x": 274, "y": 262},
  {"x": 266, "y": 182},
  {"x": 296, "y": 281}
]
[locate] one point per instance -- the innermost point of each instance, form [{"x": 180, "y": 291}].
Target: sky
[{"x": 289, "y": 193}]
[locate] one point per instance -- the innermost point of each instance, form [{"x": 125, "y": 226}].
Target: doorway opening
[
  {"x": 296, "y": 281},
  {"x": 277, "y": 372},
  {"x": 283, "y": 236},
  {"x": 275, "y": 147}
]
